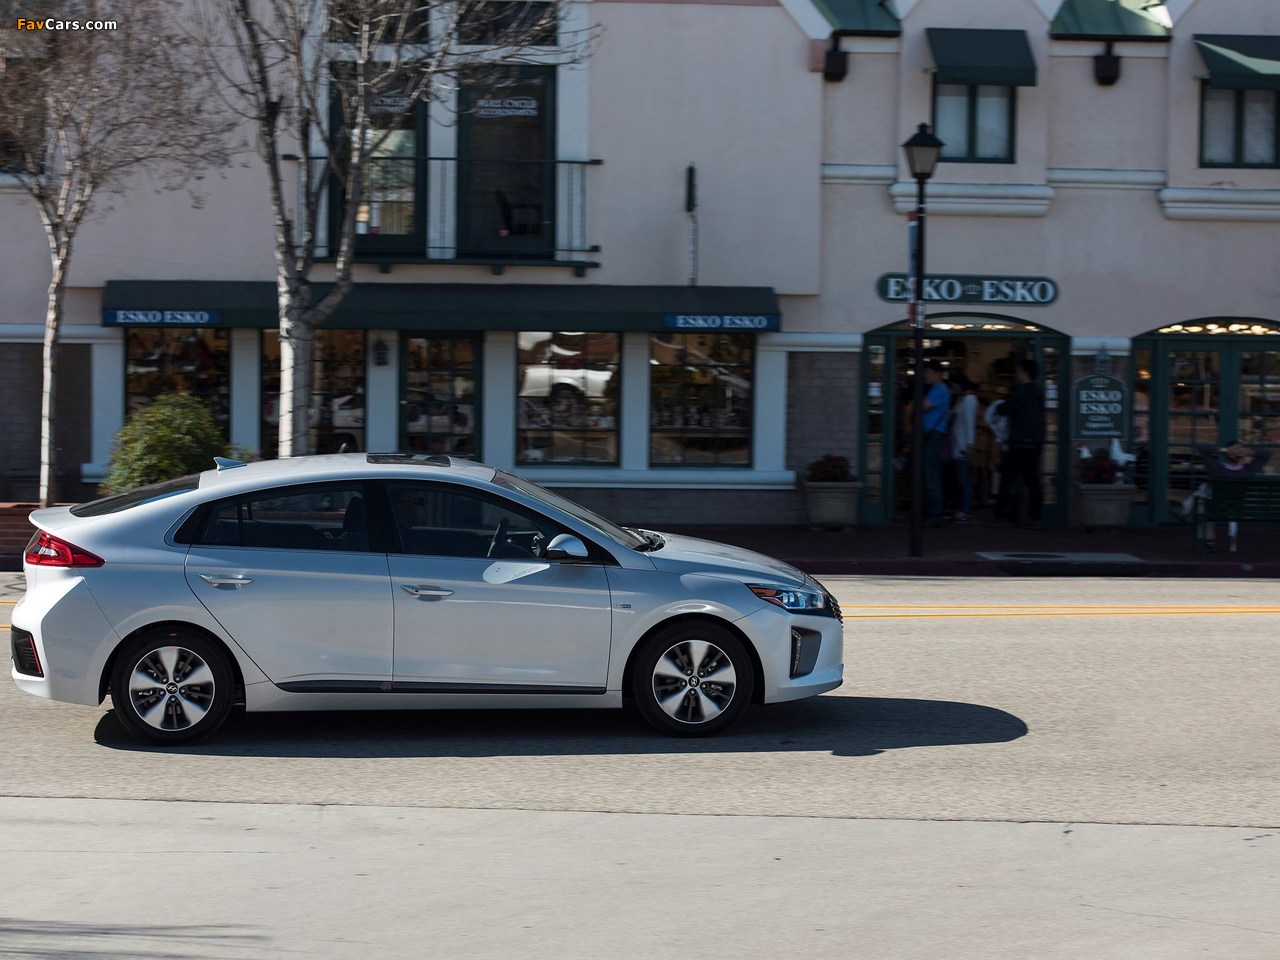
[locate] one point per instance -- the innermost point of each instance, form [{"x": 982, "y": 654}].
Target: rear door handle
[
  {"x": 425, "y": 592},
  {"x": 236, "y": 582}
]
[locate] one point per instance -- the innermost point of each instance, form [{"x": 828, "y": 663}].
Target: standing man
[
  {"x": 937, "y": 404},
  {"x": 1025, "y": 410},
  {"x": 964, "y": 423}
]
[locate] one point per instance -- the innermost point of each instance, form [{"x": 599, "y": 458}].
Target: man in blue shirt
[{"x": 937, "y": 406}]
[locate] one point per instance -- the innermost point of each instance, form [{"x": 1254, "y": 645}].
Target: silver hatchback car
[{"x": 401, "y": 581}]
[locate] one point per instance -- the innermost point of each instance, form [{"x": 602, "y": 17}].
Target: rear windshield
[{"x": 137, "y": 496}]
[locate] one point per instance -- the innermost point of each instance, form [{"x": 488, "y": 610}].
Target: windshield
[
  {"x": 596, "y": 522},
  {"x": 136, "y": 497}
]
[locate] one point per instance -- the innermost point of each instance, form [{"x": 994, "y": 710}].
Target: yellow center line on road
[{"x": 921, "y": 611}]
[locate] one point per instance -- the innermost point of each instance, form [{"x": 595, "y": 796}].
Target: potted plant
[
  {"x": 831, "y": 491},
  {"x": 1103, "y": 496}
]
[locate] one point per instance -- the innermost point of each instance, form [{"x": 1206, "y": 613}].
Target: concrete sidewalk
[
  {"x": 973, "y": 549},
  {"x": 979, "y": 549}
]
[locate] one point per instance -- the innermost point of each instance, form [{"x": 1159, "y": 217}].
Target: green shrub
[{"x": 174, "y": 436}]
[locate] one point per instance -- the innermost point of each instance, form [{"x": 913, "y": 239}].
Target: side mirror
[{"x": 566, "y": 546}]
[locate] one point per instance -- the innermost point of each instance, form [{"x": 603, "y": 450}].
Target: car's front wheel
[
  {"x": 692, "y": 679},
  {"x": 172, "y": 686}
]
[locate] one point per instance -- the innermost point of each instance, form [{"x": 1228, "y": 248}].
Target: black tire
[
  {"x": 692, "y": 679},
  {"x": 172, "y": 686}
]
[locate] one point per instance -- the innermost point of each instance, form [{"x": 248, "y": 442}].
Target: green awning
[
  {"x": 1107, "y": 20},
  {"x": 859, "y": 18},
  {"x": 1000, "y": 58},
  {"x": 448, "y": 306},
  {"x": 1240, "y": 62}
]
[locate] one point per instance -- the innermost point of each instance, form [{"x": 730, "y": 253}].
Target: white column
[
  {"x": 769, "y": 431},
  {"x": 633, "y": 410},
  {"x": 498, "y": 399},
  {"x": 382, "y": 394},
  {"x": 108, "y": 396},
  {"x": 246, "y": 389}
]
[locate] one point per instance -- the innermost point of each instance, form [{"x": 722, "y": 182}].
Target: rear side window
[
  {"x": 330, "y": 517},
  {"x": 136, "y": 497}
]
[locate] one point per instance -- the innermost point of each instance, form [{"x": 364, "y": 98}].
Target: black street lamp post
[{"x": 922, "y": 156}]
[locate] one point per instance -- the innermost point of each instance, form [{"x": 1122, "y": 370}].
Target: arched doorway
[
  {"x": 986, "y": 347},
  {"x": 1201, "y": 382}
]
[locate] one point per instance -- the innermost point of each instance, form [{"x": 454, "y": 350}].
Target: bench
[{"x": 1256, "y": 500}]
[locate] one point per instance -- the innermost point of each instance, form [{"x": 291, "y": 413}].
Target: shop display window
[
  {"x": 568, "y": 398},
  {"x": 700, "y": 399},
  {"x": 439, "y": 402},
  {"x": 337, "y": 407},
  {"x": 179, "y": 360}
]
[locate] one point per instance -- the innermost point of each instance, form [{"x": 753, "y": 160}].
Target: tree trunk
[
  {"x": 49, "y": 369},
  {"x": 297, "y": 337}
]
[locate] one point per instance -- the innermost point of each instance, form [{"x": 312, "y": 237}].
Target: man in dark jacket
[
  {"x": 1025, "y": 410},
  {"x": 1235, "y": 461}
]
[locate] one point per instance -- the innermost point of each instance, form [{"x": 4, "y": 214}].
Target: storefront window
[
  {"x": 1258, "y": 421},
  {"x": 440, "y": 395},
  {"x": 568, "y": 397},
  {"x": 183, "y": 360},
  {"x": 337, "y": 391},
  {"x": 700, "y": 396}
]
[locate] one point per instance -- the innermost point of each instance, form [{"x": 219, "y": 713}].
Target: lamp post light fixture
[{"x": 922, "y": 152}]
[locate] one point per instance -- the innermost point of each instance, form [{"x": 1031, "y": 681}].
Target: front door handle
[
  {"x": 236, "y": 582},
  {"x": 427, "y": 592}
]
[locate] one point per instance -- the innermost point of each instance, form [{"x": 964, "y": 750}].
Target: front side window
[
  {"x": 441, "y": 386},
  {"x": 568, "y": 390},
  {"x": 179, "y": 360},
  {"x": 974, "y": 122},
  {"x": 700, "y": 391},
  {"x": 1238, "y": 128},
  {"x": 337, "y": 391},
  {"x": 443, "y": 521},
  {"x": 330, "y": 517}
]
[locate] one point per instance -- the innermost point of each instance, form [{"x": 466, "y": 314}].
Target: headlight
[{"x": 795, "y": 599}]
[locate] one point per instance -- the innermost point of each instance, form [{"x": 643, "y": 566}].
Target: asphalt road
[{"x": 1058, "y": 768}]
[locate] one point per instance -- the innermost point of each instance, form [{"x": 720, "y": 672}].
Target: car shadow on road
[{"x": 844, "y": 726}]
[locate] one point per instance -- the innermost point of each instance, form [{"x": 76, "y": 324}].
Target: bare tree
[
  {"x": 325, "y": 82},
  {"x": 84, "y": 107}
]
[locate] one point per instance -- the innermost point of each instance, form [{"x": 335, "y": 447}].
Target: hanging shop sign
[
  {"x": 965, "y": 288},
  {"x": 720, "y": 321},
  {"x": 1100, "y": 407},
  {"x": 161, "y": 318}
]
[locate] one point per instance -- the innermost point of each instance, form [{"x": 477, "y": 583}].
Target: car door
[
  {"x": 298, "y": 577},
  {"x": 477, "y": 606}
]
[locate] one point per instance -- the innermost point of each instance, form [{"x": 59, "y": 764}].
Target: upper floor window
[
  {"x": 1238, "y": 128},
  {"x": 522, "y": 22},
  {"x": 974, "y": 91},
  {"x": 974, "y": 122},
  {"x": 387, "y": 21}
]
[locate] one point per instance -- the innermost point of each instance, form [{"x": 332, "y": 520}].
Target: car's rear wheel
[
  {"x": 172, "y": 686},
  {"x": 692, "y": 679}
]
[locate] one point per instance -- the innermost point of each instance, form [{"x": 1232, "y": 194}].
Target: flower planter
[
  {"x": 1104, "y": 504},
  {"x": 832, "y": 504}
]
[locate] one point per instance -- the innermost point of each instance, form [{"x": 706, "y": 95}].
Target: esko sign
[{"x": 941, "y": 288}]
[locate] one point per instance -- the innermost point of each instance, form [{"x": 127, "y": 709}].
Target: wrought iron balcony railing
[{"x": 492, "y": 211}]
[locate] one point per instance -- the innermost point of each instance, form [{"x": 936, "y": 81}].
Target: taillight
[{"x": 46, "y": 550}]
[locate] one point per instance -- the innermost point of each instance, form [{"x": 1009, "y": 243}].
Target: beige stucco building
[{"x": 703, "y": 287}]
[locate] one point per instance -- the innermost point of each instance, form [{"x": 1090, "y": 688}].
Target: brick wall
[
  {"x": 15, "y": 531},
  {"x": 20, "y": 437},
  {"x": 823, "y": 406}
]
